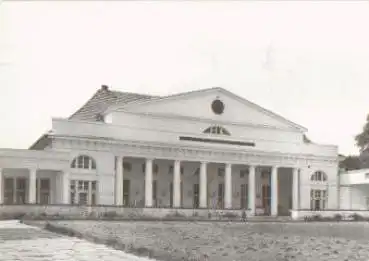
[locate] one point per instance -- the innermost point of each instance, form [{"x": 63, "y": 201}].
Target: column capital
[
  {"x": 149, "y": 159},
  {"x": 228, "y": 164},
  {"x": 204, "y": 162}
]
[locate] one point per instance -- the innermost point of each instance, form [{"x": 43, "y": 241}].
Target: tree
[
  {"x": 362, "y": 139},
  {"x": 350, "y": 163}
]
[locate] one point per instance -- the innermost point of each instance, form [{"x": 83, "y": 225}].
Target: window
[
  {"x": 196, "y": 196},
  {"x": 83, "y": 162},
  {"x": 318, "y": 199},
  {"x": 9, "y": 191},
  {"x": 220, "y": 196},
  {"x": 217, "y": 130},
  {"x": 83, "y": 192},
  {"x": 126, "y": 192},
  {"x": 319, "y": 176},
  {"x": 244, "y": 196},
  {"x": 244, "y": 173},
  {"x": 43, "y": 191},
  {"x": 221, "y": 172},
  {"x": 127, "y": 166},
  {"x": 20, "y": 191}
]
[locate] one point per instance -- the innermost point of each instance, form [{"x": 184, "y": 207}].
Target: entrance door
[
  {"x": 195, "y": 195},
  {"x": 126, "y": 189},
  {"x": 244, "y": 196},
  {"x": 221, "y": 196},
  {"x": 266, "y": 196}
]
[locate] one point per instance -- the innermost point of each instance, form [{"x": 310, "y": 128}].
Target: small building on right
[{"x": 354, "y": 190}]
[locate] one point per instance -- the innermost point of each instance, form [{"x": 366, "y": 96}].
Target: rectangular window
[
  {"x": 244, "y": 196},
  {"x": 266, "y": 197},
  {"x": 43, "y": 191},
  {"x": 9, "y": 191},
  {"x": 80, "y": 191},
  {"x": 154, "y": 193},
  {"x": 318, "y": 199},
  {"x": 126, "y": 192},
  {"x": 93, "y": 193},
  {"x": 21, "y": 190}
]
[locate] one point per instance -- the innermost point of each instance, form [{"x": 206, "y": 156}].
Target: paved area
[{"x": 22, "y": 242}]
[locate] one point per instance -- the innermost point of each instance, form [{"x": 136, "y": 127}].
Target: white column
[
  {"x": 148, "y": 183},
  {"x": 32, "y": 186},
  {"x": 295, "y": 189},
  {"x": 274, "y": 191},
  {"x": 119, "y": 182},
  {"x": 177, "y": 184},
  {"x": 228, "y": 186},
  {"x": 203, "y": 185},
  {"x": 1, "y": 187},
  {"x": 251, "y": 190},
  {"x": 66, "y": 188}
]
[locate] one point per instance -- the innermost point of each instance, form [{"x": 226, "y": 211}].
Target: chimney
[{"x": 104, "y": 87}]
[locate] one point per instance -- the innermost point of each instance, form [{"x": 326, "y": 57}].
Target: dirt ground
[{"x": 234, "y": 241}]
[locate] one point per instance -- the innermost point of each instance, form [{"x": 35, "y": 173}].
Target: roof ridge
[{"x": 104, "y": 98}]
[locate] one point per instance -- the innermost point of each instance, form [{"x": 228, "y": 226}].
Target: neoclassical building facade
[{"x": 202, "y": 149}]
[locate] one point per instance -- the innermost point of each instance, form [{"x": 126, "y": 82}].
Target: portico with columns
[
  {"x": 207, "y": 184},
  {"x": 206, "y": 149}
]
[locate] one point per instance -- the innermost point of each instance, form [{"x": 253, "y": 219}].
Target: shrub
[
  {"x": 110, "y": 214},
  {"x": 230, "y": 215},
  {"x": 337, "y": 217},
  {"x": 357, "y": 217},
  {"x": 313, "y": 218}
]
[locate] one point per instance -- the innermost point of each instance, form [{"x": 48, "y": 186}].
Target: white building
[
  {"x": 201, "y": 149},
  {"x": 354, "y": 190}
]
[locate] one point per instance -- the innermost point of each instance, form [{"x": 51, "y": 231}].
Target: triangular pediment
[{"x": 215, "y": 104}]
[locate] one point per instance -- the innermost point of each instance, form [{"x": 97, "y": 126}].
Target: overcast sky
[{"x": 308, "y": 62}]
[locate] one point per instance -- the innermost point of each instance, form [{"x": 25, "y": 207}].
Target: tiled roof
[{"x": 104, "y": 98}]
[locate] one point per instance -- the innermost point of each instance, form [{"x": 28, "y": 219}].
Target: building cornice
[{"x": 193, "y": 153}]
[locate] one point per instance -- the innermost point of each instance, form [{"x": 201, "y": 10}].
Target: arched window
[
  {"x": 216, "y": 129},
  {"x": 83, "y": 162},
  {"x": 318, "y": 176}
]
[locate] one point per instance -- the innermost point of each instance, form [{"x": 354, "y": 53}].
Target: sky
[{"x": 307, "y": 61}]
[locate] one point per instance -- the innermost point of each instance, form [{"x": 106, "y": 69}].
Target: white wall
[
  {"x": 199, "y": 106},
  {"x": 197, "y": 126},
  {"x": 355, "y": 177},
  {"x": 354, "y": 197},
  {"x": 306, "y": 185},
  {"x": 104, "y": 174},
  {"x": 74, "y": 128}
]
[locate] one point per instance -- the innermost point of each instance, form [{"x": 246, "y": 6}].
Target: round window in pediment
[{"x": 217, "y": 106}]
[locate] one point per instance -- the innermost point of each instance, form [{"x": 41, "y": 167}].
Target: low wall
[
  {"x": 345, "y": 214},
  {"x": 114, "y": 212}
]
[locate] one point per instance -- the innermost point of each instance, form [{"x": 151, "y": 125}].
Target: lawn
[{"x": 234, "y": 241}]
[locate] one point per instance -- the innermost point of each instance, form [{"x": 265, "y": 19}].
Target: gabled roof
[
  {"x": 222, "y": 90},
  {"x": 104, "y": 98}
]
